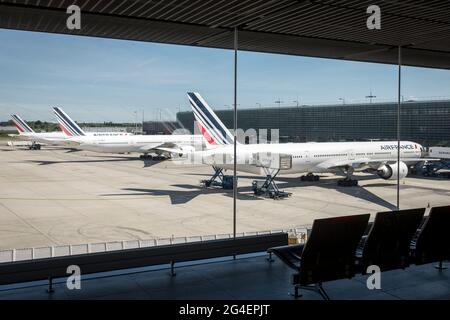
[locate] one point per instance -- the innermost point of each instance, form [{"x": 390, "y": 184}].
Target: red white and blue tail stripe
[
  {"x": 21, "y": 125},
  {"x": 67, "y": 125},
  {"x": 212, "y": 129}
]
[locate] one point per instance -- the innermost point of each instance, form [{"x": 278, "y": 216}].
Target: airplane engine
[{"x": 390, "y": 171}]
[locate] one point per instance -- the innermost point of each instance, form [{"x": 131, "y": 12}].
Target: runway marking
[{"x": 24, "y": 221}]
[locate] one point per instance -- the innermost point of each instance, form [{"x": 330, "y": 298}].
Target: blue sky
[{"x": 96, "y": 79}]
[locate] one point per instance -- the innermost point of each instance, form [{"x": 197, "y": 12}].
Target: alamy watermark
[
  {"x": 74, "y": 279},
  {"x": 374, "y": 20},
  {"x": 374, "y": 280},
  {"x": 73, "y": 22}
]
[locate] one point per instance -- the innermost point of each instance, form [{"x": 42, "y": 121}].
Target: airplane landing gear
[
  {"x": 268, "y": 187},
  {"x": 145, "y": 156},
  {"x": 35, "y": 146},
  {"x": 348, "y": 181},
  {"x": 309, "y": 177}
]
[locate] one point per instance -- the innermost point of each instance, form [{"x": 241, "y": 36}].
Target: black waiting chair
[
  {"x": 328, "y": 254},
  {"x": 432, "y": 243},
  {"x": 387, "y": 244}
]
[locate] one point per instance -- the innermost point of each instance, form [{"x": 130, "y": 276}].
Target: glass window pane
[{"x": 99, "y": 185}]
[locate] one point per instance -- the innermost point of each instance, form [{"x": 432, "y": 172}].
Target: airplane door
[
  {"x": 307, "y": 157},
  {"x": 351, "y": 155}
]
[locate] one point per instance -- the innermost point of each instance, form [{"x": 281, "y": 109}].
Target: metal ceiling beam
[{"x": 285, "y": 27}]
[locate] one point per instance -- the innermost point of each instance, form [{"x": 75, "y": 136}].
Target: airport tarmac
[{"x": 55, "y": 197}]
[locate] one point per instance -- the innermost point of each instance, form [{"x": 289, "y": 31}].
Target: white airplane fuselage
[
  {"x": 51, "y": 138},
  {"x": 315, "y": 157},
  {"x": 60, "y": 138},
  {"x": 135, "y": 143}
]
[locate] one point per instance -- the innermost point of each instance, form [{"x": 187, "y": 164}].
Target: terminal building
[
  {"x": 159, "y": 127},
  {"x": 424, "y": 122}
]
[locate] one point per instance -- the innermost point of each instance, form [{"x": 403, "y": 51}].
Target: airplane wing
[
  {"x": 168, "y": 147},
  {"x": 149, "y": 147},
  {"x": 356, "y": 163},
  {"x": 72, "y": 142},
  {"x": 171, "y": 150}
]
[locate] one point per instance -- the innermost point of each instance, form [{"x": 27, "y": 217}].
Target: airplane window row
[
  {"x": 330, "y": 155},
  {"x": 109, "y": 142}
]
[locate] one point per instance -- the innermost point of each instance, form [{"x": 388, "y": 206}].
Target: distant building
[
  {"x": 160, "y": 127},
  {"x": 425, "y": 122}
]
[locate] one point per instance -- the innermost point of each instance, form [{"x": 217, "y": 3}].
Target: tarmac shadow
[
  {"x": 185, "y": 196},
  {"x": 147, "y": 162}
]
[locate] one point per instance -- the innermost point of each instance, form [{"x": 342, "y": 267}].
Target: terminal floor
[{"x": 243, "y": 278}]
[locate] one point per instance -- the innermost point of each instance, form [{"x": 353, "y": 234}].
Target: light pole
[
  {"x": 371, "y": 96},
  {"x": 279, "y": 102},
  {"x": 296, "y": 101}
]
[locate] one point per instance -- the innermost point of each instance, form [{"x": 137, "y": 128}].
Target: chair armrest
[
  {"x": 290, "y": 254},
  {"x": 298, "y": 248}
]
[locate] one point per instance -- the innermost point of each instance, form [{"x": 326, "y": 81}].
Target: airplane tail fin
[
  {"x": 210, "y": 126},
  {"x": 21, "y": 125},
  {"x": 67, "y": 125}
]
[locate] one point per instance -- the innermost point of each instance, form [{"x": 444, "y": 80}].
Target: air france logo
[{"x": 394, "y": 147}]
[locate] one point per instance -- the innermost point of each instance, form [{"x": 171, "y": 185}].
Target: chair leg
[
  {"x": 318, "y": 288},
  {"x": 172, "y": 269},
  {"x": 50, "y": 285},
  {"x": 296, "y": 293},
  {"x": 270, "y": 259},
  {"x": 440, "y": 266},
  {"x": 322, "y": 292}
]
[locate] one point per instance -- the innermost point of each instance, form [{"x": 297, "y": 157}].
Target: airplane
[
  {"x": 27, "y": 133},
  {"x": 56, "y": 138},
  {"x": 166, "y": 145},
  {"x": 269, "y": 159},
  {"x": 71, "y": 129}
]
